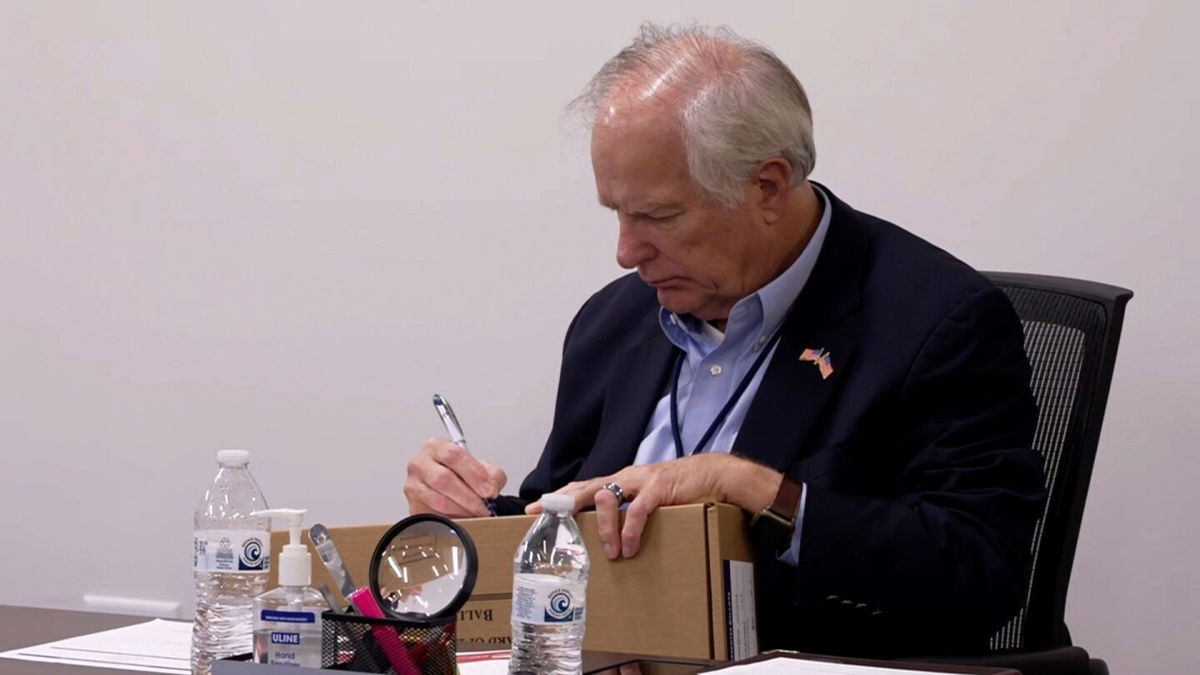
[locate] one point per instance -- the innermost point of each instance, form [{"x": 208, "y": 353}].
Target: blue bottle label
[
  {"x": 542, "y": 599},
  {"x": 278, "y": 616},
  {"x": 231, "y": 551}
]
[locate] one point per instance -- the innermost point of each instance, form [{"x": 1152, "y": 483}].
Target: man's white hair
[{"x": 738, "y": 103}]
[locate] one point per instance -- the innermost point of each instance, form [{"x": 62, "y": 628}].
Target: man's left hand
[{"x": 708, "y": 477}]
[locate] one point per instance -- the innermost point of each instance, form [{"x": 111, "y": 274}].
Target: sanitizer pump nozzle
[{"x": 295, "y": 562}]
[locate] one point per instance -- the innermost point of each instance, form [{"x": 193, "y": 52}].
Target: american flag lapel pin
[{"x": 819, "y": 358}]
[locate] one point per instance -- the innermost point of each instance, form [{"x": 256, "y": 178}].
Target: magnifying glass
[{"x": 424, "y": 569}]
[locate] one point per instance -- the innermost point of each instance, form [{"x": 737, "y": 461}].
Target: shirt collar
[
  {"x": 778, "y": 296},
  {"x": 774, "y": 299}
]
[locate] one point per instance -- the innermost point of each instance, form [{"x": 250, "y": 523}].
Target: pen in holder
[{"x": 361, "y": 644}]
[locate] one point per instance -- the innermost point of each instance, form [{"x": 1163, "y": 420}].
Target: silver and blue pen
[{"x": 454, "y": 430}]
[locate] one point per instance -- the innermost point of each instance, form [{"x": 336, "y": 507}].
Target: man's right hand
[{"x": 445, "y": 478}]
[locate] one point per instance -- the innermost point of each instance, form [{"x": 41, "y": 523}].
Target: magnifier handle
[
  {"x": 323, "y": 542},
  {"x": 421, "y": 651},
  {"x": 393, "y": 647}
]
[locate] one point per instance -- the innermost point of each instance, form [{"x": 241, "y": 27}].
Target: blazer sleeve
[{"x": 948, "y": 538}]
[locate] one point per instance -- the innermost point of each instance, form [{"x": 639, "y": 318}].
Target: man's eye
[{"x": 662, "y": 218}]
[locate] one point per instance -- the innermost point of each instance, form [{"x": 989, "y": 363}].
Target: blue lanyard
[{"x": 733, "y": 399}]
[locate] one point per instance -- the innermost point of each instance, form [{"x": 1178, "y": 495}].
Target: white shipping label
[
  {"x": 741, "y": 629},
  {"x": 231, "y": 551},
  {"x": 547, "y": 599}
]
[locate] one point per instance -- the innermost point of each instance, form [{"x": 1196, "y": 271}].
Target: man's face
[{"x": 698, "y": 254}]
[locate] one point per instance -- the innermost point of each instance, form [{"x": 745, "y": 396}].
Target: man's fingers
[
  {"x": 635, "y": 518},
  {"x": 449, "y": 485},
  {"x": 423, "y": 499},
  {"x": 581, "y": 490},
  {"x": 469, "y": 470},
  {"x": 415, "y": 503},
  {"x": 497, "y": 476},
  {"x": 584, "y": 493},
  {"x": 608, "y": 521}
]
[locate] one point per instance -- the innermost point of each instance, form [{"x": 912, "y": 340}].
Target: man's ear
[{"x": 774, "y": 180}]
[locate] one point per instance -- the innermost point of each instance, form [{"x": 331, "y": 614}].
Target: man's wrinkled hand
[
  {"x": 709, "y": 477},
  {"x": 445, "y": 478}
]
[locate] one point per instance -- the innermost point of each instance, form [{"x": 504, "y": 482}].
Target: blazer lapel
[
  {"x": 792, "y": 398},
  {"x": 794, "y": 392},
  {"x": 630, "y": 399}
]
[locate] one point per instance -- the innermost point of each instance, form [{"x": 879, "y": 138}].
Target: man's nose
[{"x": 631, "y": 249}]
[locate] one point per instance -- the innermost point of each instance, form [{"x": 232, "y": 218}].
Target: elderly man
[{"x": 863, "y": 392}]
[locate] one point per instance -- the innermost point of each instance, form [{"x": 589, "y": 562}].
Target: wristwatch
[{"x": 774, "y": 525}]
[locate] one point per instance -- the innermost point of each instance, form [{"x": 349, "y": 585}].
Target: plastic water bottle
[
  {"x": 230, "y": 563},
  {"x": 550, "y": 574}
]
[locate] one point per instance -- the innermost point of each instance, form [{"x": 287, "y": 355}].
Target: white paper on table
[
  {"x": 156, "y": 646},
  {"x": 484, "y": 663},
  {"x": 783, "y": 665}
]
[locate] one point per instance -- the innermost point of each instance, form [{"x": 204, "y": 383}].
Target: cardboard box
[{"x": 689, "y": 592}]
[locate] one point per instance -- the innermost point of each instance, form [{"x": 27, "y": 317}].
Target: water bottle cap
[
  {"x": 558, "y": 503},
  {"x": 233, "y": 457}
]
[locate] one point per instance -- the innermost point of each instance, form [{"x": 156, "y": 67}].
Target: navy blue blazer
[{"x": 923, "y": 489}]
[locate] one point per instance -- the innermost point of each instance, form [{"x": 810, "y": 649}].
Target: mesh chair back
[{"x": 1072, "y": 328}]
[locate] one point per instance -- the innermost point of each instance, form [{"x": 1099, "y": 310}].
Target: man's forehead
[
  {"x": 639, "y": 157},
  {"x": 628, "y": 104},
  {"x": 655, "y": 125}
]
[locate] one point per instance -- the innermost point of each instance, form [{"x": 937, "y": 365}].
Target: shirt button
[
  {"x": 762, "y": 340},
  {"x": 715, "y": 369}
]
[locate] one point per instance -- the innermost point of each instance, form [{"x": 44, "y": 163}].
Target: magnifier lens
[{"x": 422, "y": 569}]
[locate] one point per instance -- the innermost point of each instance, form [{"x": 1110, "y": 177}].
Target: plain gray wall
[{"x": 283, "y": 226}]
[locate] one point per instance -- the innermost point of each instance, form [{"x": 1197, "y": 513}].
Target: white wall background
[{"x": 282, "y": 226}]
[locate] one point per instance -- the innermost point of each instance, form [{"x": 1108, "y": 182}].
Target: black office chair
[{"x": 1071, "y": 332}]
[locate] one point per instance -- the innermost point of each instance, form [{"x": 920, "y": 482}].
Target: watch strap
[{"x": 775, "y": 524}]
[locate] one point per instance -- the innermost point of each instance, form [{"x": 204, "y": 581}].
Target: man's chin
[
  {"x": 688, "y": 304},
  {"x": 676, "y": 302}
]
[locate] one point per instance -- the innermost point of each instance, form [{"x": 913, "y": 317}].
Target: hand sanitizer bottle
[{"x": 287, "y": 619}]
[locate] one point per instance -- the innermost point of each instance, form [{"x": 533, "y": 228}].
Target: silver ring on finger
[{"x": 622, "y": 498}]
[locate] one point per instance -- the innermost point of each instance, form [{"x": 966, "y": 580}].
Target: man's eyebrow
[
  {"x": 656, "y": 208},
  {"x": 644, "y": 209}
]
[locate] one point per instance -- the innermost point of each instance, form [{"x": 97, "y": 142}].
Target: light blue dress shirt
[{"x": 716, "y": 363}]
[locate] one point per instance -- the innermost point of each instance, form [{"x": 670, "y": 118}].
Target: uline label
[{"x": 278, "y": 638}]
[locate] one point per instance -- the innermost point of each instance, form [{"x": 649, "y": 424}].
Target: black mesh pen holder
[{"x": 361, "y": 645}]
